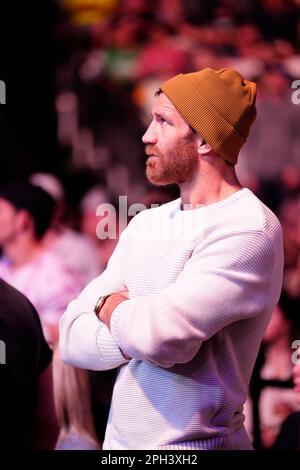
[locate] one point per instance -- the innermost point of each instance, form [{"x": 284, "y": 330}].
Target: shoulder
[
  {"x": 245, "y": 213},
  {"x": 244, "y": 233},
  {"x": 260, "y": 217}
]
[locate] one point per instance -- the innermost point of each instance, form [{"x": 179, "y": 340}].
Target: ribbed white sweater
[{"x": 202, "y": 287}]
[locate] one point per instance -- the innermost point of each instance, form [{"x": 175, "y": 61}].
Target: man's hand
[{"x": 110, "y": 304}]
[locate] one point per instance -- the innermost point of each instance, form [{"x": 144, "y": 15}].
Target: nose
[{"x": 150, "y": 135}]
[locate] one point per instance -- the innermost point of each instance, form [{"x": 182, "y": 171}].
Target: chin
[{"x": 158, "y": 180}]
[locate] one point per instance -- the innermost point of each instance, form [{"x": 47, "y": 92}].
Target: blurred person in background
[
  {"x": 187, "y": 294},
  {"x": 26, "y": 213},
  {"x": 289, "y": 214},
  {"x": 77, "y": 251},
  {"x": 275, "y": 402},
  {"x": 92, "y": 210},
  {"x": 72, "y": 396},
  {"x": 289, "y": 436},
  {"x": 277, "y": 18},
  {"x": 28, "y": 419},
  {"x": 276, "y": 133}
]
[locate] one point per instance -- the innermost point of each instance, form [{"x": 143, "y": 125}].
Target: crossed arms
[{"x": 224, "y": 281}]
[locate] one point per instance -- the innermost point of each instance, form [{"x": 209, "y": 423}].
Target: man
[
  {"x": 25, "y": 216},
  {"x": 192, "y": 283},
  {"x": 28, "y": 419}
]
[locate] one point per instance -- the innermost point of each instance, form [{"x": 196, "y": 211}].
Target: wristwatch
[{"x": 99, "y": 304}]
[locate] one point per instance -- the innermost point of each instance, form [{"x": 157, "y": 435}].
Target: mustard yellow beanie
[{"x": 219, "y": 104}]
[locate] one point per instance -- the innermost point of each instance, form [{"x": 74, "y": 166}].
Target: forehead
[{"x": 162, "y": 104}]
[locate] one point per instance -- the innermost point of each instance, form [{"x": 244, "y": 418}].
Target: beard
[{"x": 175, "y": 166}]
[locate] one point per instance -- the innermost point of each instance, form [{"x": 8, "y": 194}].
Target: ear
[
  {"x": 22, "y": 220},
  {"x": 203, "y": 147}
]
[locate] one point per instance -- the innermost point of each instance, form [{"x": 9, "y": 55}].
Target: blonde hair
[{"x": 72, "y": 399}]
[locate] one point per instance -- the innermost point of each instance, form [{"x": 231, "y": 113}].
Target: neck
[
  {"x": 213, "y": 181},
  {"x": 22, "y": 250}
]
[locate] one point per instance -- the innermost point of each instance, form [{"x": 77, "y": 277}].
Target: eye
[{"x": 162, "y": 121}]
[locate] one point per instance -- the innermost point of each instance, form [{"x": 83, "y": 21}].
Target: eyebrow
[
  {"x": 160, "y": 114},
  {"x": 155, "y": 113}
]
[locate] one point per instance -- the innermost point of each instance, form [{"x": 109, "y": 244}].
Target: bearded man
[{"x": 188, "y": 292}]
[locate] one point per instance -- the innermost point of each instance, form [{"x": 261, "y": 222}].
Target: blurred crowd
[
  {"x": 113, "y": 56},
  {"x": 110, "y": 58}
]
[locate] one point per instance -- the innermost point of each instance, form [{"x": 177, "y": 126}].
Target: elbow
[
  {"x": 65, "y": 353},
  {"x": 65, "y": 340},
  {"x": 65, "y": 357},
  {"x": 69, "y": 357}
]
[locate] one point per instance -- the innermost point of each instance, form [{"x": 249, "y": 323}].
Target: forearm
[
  {"x": 86, "y": 342},
  {"x": 150, "y": 328}
]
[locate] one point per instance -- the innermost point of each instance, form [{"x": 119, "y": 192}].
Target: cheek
[
  {"x": 4, "y": 218},
  {"x": 6, "y": 228},
  {"x": 167, "y": 137},
  {"x": 168, "y": 146}
]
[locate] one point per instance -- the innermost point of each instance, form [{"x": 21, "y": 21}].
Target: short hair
[{"x": 39, "y": 204}]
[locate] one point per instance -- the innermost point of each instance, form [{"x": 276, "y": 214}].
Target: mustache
[{"x": 151, "y": 150}]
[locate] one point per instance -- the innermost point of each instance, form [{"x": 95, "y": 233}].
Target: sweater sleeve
[
  {"x": 85, "y": 341},
  {"x": 227, "y": 280}
]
